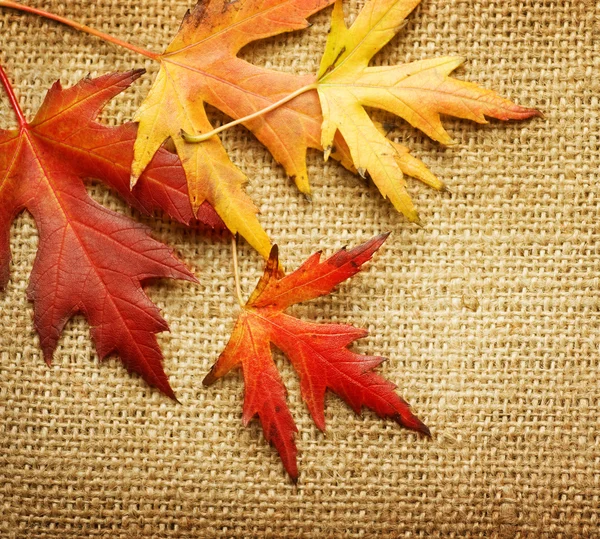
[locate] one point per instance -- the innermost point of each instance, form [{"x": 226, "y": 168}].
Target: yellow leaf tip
[
  {"x": 416, "y": 220},
  {"x": 133, "y": 179}
]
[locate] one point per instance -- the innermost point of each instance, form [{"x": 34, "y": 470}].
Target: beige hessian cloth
[{"x": 488, "y": 314}]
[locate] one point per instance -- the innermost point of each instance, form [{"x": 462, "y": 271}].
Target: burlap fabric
[{"x": 489, "y": 313}]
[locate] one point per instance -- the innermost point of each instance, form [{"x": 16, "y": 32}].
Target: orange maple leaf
[
  {"x": 200, "y": 66},
  {"x": 318, "y": 352}
]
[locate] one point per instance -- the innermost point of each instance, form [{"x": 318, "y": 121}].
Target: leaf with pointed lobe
[
  {"x": 200, "y": 67},
  {"x": 319, "y": 352},
  {"x": 418, "y": 92},
  {"x": 90, "y": 259}
]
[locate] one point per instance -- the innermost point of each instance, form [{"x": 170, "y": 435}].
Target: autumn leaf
[
  {"x": 200, "y": 66},
  {"x": 417, "y": 92},
  {"x": 284, "y": 111},
  {"x": 90, "y": 260},
  {"x": 318, "y": 352}
]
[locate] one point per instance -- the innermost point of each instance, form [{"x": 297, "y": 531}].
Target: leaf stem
[
  {"x": 205, "y": 136},
  {"x": 236, "y": 270},
  {"x": 81, "y": 28},
  {"x": 12, "y": 98}
]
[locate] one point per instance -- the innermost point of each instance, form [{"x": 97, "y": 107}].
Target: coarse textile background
[{"x": 488, "y": 313}]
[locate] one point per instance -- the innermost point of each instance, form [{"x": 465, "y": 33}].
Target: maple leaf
[
  {"x": 418, "y": 92},
  {"x": 318, "y": 352},
  {"x": 200, "y": 66},
  {"x": 90, "y": 259},
  {"x": 284, "y": 110}
]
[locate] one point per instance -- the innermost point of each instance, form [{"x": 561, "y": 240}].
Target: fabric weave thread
[{"x": 488, "y": 314}]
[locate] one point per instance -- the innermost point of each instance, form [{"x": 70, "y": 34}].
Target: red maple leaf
[
  {"x": 318, "y": 352},
  {"x": 90, "y": 259}
]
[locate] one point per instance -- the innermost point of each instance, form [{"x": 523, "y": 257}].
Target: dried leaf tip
[{"x": 210, "y": 378}]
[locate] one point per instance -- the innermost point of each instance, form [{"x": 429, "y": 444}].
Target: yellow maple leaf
[{"x": 418, "y": 92}]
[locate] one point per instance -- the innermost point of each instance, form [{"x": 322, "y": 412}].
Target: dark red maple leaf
[
  {"x": 90, "y": 259},
  {"x": 318, "y": 352}
]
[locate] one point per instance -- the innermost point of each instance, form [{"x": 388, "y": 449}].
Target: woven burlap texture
[{"x": 488, "y": 313}]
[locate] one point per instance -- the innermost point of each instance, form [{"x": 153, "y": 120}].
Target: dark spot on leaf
[
  {"x": 226, "y": 5},
  {"x": 196, "y": 15},
  {"x": 332, "y": 66}
]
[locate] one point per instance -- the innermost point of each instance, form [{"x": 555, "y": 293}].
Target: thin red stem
[
  {"x": 80, "y": 27},
  {"x": 12, "y": 98}
]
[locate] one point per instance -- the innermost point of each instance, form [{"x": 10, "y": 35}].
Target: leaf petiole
[
  {"x": 80, "y": 27},
  {"x": 205, "y": 136},
  {"x": 236, "y": 270},
  {"x": 12, "y": 98}
]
